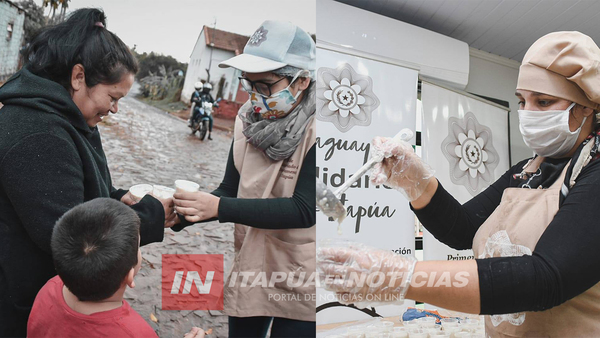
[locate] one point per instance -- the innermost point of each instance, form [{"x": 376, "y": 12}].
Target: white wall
[
  {"x": 495, "y": 76},
  {"x": 218, "y": 55},
  {"x": 193, "y": 71},
  {"x": 9, "y": 49},
  {"x": 196, "y": 71}
]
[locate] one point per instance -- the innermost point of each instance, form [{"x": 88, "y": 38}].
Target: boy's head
[{"x": 95, "y": 248}]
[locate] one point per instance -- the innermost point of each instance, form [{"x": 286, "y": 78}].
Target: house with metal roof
[{"x": 212, "y": 47}]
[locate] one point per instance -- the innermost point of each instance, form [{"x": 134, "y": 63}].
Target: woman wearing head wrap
[
  {"x": 534, "y": 231},
  {"x": 268, "y": 190},
  {"x": 51, "y": 156}
]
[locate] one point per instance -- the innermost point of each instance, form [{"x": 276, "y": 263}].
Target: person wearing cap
[
  {"x": 534, "y": 232},
  {"x": 268, "y": 190}
]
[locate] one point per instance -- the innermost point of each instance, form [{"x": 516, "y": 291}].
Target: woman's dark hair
[
  {"x": 81, "y": 39},
  {"x": 94, "y": 246}
]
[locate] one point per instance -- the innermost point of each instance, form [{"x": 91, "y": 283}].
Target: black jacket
[
  {"x": 199, "y": 97},
  {"x": 50, "y": 161}
]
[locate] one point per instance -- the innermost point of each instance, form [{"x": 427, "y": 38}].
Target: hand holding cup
[
  {"x": 136, "y": 193},
  {"x": 196, "y": 206}
]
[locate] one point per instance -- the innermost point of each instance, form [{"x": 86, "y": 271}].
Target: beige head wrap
[{"x": 565, "y": 65}]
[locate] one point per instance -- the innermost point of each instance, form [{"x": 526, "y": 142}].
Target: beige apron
[
  {"x": 514, "y": 229},
  {"x": 289, "y": 252}
]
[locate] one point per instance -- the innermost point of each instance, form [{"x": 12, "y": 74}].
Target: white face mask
[{"x": 547, "y": 132}]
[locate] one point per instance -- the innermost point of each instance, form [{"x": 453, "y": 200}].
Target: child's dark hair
[
  {"x": 81, "y": 39},
  {"x": 94, "y": 246}
]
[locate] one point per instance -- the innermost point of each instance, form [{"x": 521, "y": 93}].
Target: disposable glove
[
  {"x": 401, "y": 168},
  {"x": 363, "y": 275}
]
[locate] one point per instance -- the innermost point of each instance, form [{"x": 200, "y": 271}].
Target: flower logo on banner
[
  {"x": 470, "y": 153},
  {"x": 344, "y": 97}
]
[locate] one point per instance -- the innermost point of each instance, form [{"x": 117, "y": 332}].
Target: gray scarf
[{"x": 278, "y": 139}]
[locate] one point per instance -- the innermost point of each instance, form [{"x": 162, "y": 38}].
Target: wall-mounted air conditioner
[{"x": 348, "y": 29}]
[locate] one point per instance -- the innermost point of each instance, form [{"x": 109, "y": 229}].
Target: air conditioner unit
[{"x": 348, "y": 29}]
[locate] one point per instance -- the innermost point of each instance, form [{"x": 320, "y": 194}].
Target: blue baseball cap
[{"x": 273, "y": 45}]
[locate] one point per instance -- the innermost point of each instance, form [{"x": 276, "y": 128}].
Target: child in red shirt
[{"x": 95, "y": 248}]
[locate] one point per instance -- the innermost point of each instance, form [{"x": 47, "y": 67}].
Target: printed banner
[
  {"x": 358, "y": 99},
  {"x": 465, "y": 141}
]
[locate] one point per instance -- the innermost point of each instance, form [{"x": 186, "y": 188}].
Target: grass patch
[{"x": 171, "y": 107}]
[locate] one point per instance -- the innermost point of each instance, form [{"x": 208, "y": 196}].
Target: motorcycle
[{"x": 201, "y": 119}]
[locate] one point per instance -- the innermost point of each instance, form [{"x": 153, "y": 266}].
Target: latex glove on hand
[
  {"x": 401, "y": 168},
  {"x": 363, "y": 275}
]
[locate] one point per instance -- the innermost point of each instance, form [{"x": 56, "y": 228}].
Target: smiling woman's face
[{"x": 100, "y": 100}]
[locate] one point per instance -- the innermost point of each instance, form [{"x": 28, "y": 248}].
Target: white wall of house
[
  {"x": 193, "y": 73},
  {"x": 198, "y": 64},
  {"x": 216, "y": 73},
  {"x": 9, "y": 47},
  {"x": 495, "y": 76}
]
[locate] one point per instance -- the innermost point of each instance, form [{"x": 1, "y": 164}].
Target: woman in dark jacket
[{"x": 51, "y": 156}]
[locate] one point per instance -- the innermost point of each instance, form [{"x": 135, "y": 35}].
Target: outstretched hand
[
  {"x": 196, "y": 206},
  {"x": 172, "y": 220},
  {"x": 168, "y": 206},
  {"x": 195, "y": 332},
  {"x": 128, "y": 199}
]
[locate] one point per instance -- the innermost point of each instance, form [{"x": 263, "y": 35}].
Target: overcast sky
[{"x": 171, "y": 27}]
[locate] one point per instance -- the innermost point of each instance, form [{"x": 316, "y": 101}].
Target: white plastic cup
[
  {"x": 162, "y": 192},
  {"x": 418, "y": 333},
  {"x": 411, "y": 324},
  {"x": 451, "y": 329},
  {"x": 372, "y": 334},
  {"x": 356, "y": 332},
  {"x": 386, "y": 325},
  {"x": 427, "y": 322},
  {"x": 433, "y": 333},
  {"x": 400, "y": 332},
  {"x": 374, "y": 329},
  {"x": 470, "y": 325},
  {"x": 138, "y": 191},
  {"x": 449, "y": 322},
  {"x": 186, "y": 186}
]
